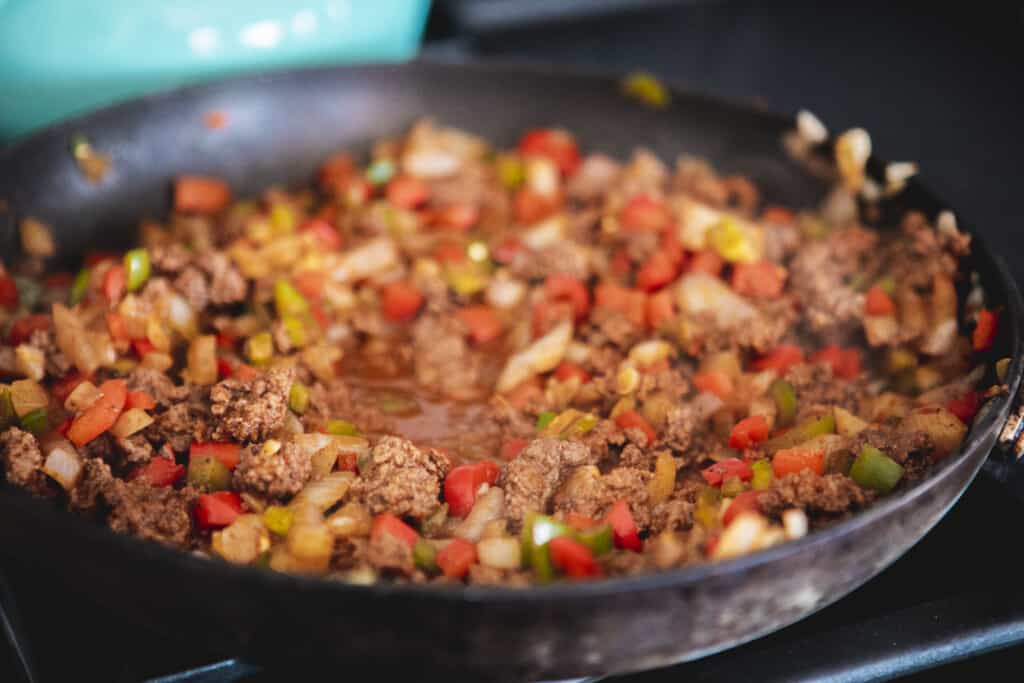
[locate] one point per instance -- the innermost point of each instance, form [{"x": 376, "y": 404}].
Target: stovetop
[{"x": 939, "y": 88}]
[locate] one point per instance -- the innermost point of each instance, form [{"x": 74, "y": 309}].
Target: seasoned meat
[
  {"x": 443, "y": 360},
  {"x": 533, "y": 477},
  {"x": 96, "y": 478},
  {"x": 191, "y": 283},
  {"x": 687, "y": 428},
  {"x": 815, "y": 385},
  {"x": 269, "y": 473},
  {"x": 21, "y": 458},
  {"x": 671, "y": 515},
  {"x": 158, "y": 385},
  {"x": 402, "y": 478},
  {"x": 898, "y": 444},
  {"x": 386, "y": 552},
  {"x": 588, "y": 492},
  {"x": 157, "y": 513},
  {"x": 170, "y": 258},
  {"x": 226, "y": 283},
  {"x": 179, "y": 426},
  {"x": 250, "y": 410},
  {"x": 134, "y": 450},
  {"x": 831, "y": 494},
  {"x": 57, "y": 364}
]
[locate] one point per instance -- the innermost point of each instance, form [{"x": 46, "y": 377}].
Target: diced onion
[
  {"x": 36, "y": 238},
  {"x": 741, "y": 536},
  {"x": 505, "y": 292},
  {"x": 130, "y": 422},
  {"x": 30, "y": 361},
  {"x": 488, "y": 506},
  {"x": 242, "y": 541},
  {"x": 28, "y": 395},
  {"x": 371, "y": 258},
  {"x": 853, "y": 149},
  {"x": 326, "y": 492},
  {"x": 499, "y": 553},
  {"x": 73, "y": 341},
  {"x": 941, "y": 338},
  {"x": 702, "y": 293},
  {"x": 545, "y": 233},
  {"x": 794, "y": 521},
  {"x": 541, "y": 356},
  {"x": 352, "y": 519},
  {"x": 82, "y": 396},
  {"x": 62, "y": 463},
  {"x": 309, "y": 545},
  {"x": 663, "y": 482},
  {"x": 649, "y": 352},
  {"x": 202, "y": 360},
  {"x": 810, "y": 127}
]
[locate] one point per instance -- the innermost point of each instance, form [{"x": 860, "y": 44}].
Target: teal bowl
[{"x": 63, "y": 57}]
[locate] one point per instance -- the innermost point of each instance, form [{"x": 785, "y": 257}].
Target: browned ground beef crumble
[{"x": 416, "y": 368}]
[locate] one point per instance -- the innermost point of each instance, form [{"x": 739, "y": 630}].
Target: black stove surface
[{"x": 940, "y": 87}]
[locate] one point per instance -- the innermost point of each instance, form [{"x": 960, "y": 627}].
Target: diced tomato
[
  {"x": 557, "y": 145},
  {"x": 159, "y": 472},
  {"x": 965, "y": 407},
  {"x": 139, "y": 399},
  {"x": 142, "y": 347},
  {"x": 560, "y": 287},
  {"x": 777, "y": 215},
  {"x": 625, "y": 533},
  {"x": 531, "y": 207},
  {"x": 387, "y": 523},
  {"x": 621, "y": 263},
  {"x": 24, "y": 326},
  {"x": 744, "y": 502},
  {"x": 348, "y": 462},
  {"x": 656, "y": 272},
  {"x": 407, "y": 192},
  {"x": 573, "y": 558},
  {"x": 580, "y": 521},
  {"x": 706, "y": 261},
  {"x": 217, "y": 510},
  {"x": 546, "y": 314},
  {"x": 845, "y": 362},
  {"x": 455, "y": 558},
  {"x": 61, "y": 280},
  {"x": 456, "y": 217},
  {"x": 631, "y": 303},
  {"x": 311, "y": 283},
  {"x": 224, "y": 367},
  {"x": 716, "y": 382},
  {"x": 669, "y": 245},
  {"x": 761, "y": 280},
  {"x": 630, "y": 418},
  {"x": 878, "y": 302},
  {"x": 226, "y": 341},
  {"x": 985, "y": 329},
  {"x": 401, "y": 301},
  {"x": 8, "y": 292},
  {"x": 334, "y": 174},
  {"x": 748, "y": 432},
  {"x": 779, "y": 359},
  {"x": 449, "y": 252},
  {"x": 722, "y": 470},
  {"x": 117, "y": 327},
  {"x": 643, "y": 213},
  {"x": 513, "y": 447},
  {"x": 245, "y": 372},
  {"x": 225, "y": 451},
  {"x": 101, "y": 415},
  {"x": 114, "y": 282},
  {"x": 463, "y": 482},
  {"x": 64, "y": 386},
  {"x": 64, "y": 426},
  {"x": 790, "y": 460},
  {"x": 506, "y": 251},
  {"x": 324, "y": 233},
  {"x": 567, "y": 369},
  {"x": 201, "y": 194},
  {"x": 661, "y": 308},
  {"x": 481, "y": 320}
]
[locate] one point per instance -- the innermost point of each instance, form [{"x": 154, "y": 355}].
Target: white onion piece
[
  {"x": 63, "y": 463},
  {"x": 368, "y": 259},
  {"x": 541, "y": 356},
  {"x": 810, "y": 127},
  {"x": 499, "y": 553},
  {"x": 325, "y": 492},
  {"x": 489, "y": 505},
  {"x": 702, "y": 293},
  {"x": 545, "y": 233},
  {"x": 131, "y": 421},
  {"x": 505, "y": 292}
]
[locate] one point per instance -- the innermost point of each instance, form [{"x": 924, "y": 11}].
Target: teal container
[{"x": 64, "y": 57}]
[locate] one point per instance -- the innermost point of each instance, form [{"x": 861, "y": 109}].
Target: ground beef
[
  {"x": 533, "y": 477},
  {"x": 170, "y": 258},
  {"x": 831, "y": 495},
  {"x": 227, "y": 284},
  {"x": 179, "y": 426},
  {"x": 566, "y": 258},
  {"x": 250, "y": 410},
  {"x": 608, "y": 327},
  {"x": 157, "y": 513},
  {"x": 815, "y": 385},
  {"x": 96, "y": 478},
  {"x": 158, "y": 385},
  {"x": 56, "y": 363},
  {"x": 603, "y": 438},
  {"x": 191, "y": 283},
  {"x": 922, "y": 253},
  {"x": 279, "y": 474},
  {"x": 388, "y": 553},
  {"x": 687, "y": 425},
  {"x": 671, "y": 515},
  {"x": 635, "y": 457},
  {"x": 626, "y": 562},
  {"x": 134, "y": 450},
  {"x": 21, "y": 458},
  {"x": 443, "y": 360},
  {"x": 588, "y": 492},
  {"x": 897, "y": 443},
  {"x": 593, "y": 178},
  {"x": 402, "y": 478}
]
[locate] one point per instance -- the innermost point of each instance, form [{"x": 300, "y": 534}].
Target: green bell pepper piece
[
  {"x": 732, "y": 487},
  {"x": 805, "y": 431},
  {"x": 784, "y": 395},
  {"x": 298, "y": 398},
  {"x": 278, "y": 519},
  {"x": 424, "y": 555},
  {"x": 706, "y": 509},
  {"x": 874, "y": 470},
  {"x": 136, "y": 268},
  {"x": 342, "y": 428},
  {"x": 380, "y": 171},
  {"x": 544, "y": 419},
  {"x": 7, "y": 414},
  {"x": 288, "y": 300},
  {"x": 538, "y": 530},
  {"x": 80, "y": 286},
  {"x": 208, "y": 473},
  {"x": 36, "y": 422},
  {"x": 598, "y": 539},
  {"x": 763, "y": 474}
]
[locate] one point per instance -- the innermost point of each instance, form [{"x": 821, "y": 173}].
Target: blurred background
[{"x": 935, "y": 83}]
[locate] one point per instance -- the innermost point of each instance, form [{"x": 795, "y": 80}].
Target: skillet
[{"x": 280, "y": 126}]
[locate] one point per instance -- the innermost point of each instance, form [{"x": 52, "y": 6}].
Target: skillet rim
[{"x": 992, "y": 419}]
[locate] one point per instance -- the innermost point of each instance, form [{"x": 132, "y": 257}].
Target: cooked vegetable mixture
[{"x": 455, "y": 363}]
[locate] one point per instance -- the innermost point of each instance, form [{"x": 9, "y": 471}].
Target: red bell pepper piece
[
  {"x": 630, "y": 418},
  {"x": 573, "y": 558},
  {"x": 387, "y": 523},
  {"x": 730, "y": 467},
  {"x": 455, "y": 558},
  {"x": 114, "y": 283},
  {"x": 201, "y": 194},
  {"x": 715, "y": 382},
  {"x": 556, "y": 145},
  {"x": 9, "y": 297},
  {"x": 101, "y": 415},
  {"x": 407, "y": 192},
  {"x": 159, "y": 472},
  {"x": 567, "y": 288},
  {"x": 661, "y": 307},
  {"x": 744, "y": 502},
  {"x": 878, "y": 302},
  {"x": 24, "y": 326},
  {"x": 965, "y": 407},
  {"x": 761, "y": 280},
  {"x": 324, "y": 233},
  {"x": 845, "y": 362},
  {"x": 624, "y": 530},
  {"x": 779, "y": 359},
  {"x": 513, "y": 447},
  {"x": 139, "y": 399},
  {"x": 463, "y": 482},
  {"x": 400, "y": 301},
  {"x": 748, "y": 432},
  {"x": 567, "y": 369},
  {"x": 505, "y": 251},
  {"x": 225, "y": 451},
  {"x": 217, "y": 510},
  {"x": 481, "y": 321},
  {"x": 643, "y": 213},
  {"x": 792, "y": 460},
  {"x": 706, "y": 261},
  {"x": 984, "y": 334},
  {"x": 631, "y": 303},
  {"x": 656, "y": 272}
]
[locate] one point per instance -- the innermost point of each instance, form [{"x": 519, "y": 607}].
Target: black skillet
[{"x": 280, "y": 126}]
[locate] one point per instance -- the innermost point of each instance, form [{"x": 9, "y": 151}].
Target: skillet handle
[{"x": 1006, "y": 463}]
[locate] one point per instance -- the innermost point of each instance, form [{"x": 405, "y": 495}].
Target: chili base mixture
[{"x": 462, "y": 364}]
